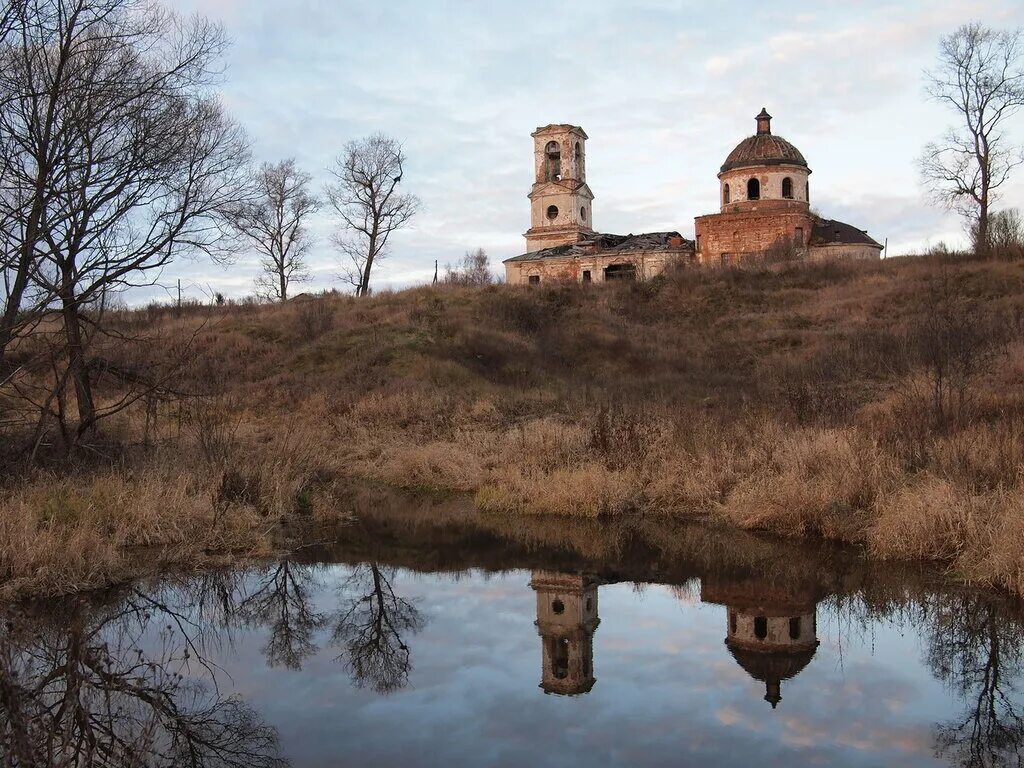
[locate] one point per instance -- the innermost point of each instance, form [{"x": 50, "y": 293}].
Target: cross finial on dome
[{"x": 764, "y": 122}]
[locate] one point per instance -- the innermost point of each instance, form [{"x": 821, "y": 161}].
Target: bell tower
[
  {"x": 566, "y": 621},
  {"x": 560, "y": 201}
]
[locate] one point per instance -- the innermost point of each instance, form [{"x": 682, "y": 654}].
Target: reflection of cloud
[
  {"x": 664, "y": 89},
  {"x": 473, "y": 696},
  {"x": 728, "y": 716}
]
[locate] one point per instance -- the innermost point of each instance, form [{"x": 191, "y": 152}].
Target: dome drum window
[
  {"x": 787, "y": 188},
  {"x": 725, "y": 195},
  {"x": 761, "y": 627},
  {"x": 753, "y": 189}
]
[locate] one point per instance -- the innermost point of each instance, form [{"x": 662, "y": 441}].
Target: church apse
[{"x": 566, "y": 622}]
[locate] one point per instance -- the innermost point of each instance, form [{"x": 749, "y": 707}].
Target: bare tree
[
  {"x": 474, "y": 270},
  {"x": 366, "y": 198},
  {"x": 980, "y": 77},
  {"x": 1005, "y": 234},
  {"x": 80, "y": 688},
  {"x": 123, "y": 161},
  {"x": 373, "y": 630},
  {"x": 975, "y": 646},
  {"x": 275, "y": 223},
  {"x": 283, "y": 601}
]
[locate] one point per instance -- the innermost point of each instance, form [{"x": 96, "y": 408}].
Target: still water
[{"x": 467, "y": 643}]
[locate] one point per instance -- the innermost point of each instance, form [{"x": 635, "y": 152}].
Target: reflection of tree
[
  {"x": 283, "y": 601},
  {"x": 77, "y": 689},
  {"x": 371, "y": 630},
  {"x": 977, "y": 649}
]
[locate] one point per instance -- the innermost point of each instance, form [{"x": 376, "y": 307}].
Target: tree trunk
[
  {"x": 10, "y": 317},
  {"x": 364, "y": 283},
  {"x": 981, "y": 247},
  {"x": 77, "y": 365}
]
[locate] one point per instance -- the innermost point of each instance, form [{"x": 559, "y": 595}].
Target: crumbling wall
[
  {"x": 743, "y": 235},
  {"x": 840, "y": 251},
  {"x": 571, "y": 269}
]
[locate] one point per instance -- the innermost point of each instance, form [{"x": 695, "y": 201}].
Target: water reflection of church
[
  {"x": 566, "y": 621},
  {"x": 771, "y": 632}
]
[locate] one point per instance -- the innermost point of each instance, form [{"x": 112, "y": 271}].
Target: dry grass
[{"x": 793, "y": 401}]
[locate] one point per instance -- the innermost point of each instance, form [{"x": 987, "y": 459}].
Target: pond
[{"x": 436, "y": 637}]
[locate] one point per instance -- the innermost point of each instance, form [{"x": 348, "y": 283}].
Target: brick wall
[
  {"x": 740, "y": 234},
  {"x": 571, "y": 268}
]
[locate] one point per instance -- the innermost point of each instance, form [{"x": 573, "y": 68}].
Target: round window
[
  {"x": 583, "y": 214},
  {"x": 558, "y": 606},
  {"x": 552, "y": 211}
]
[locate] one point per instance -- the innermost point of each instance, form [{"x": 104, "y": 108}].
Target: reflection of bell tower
[
  {"x": 772, "y": 633},
  {"x": 560, "y": 201},
  {"x": 566, "y": 621}
]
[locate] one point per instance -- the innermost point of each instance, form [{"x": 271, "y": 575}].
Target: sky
[{"x": 664, "y": 89}]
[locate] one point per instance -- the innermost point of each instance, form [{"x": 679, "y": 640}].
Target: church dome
[
  {"x": 763, "y": 148},
  {"x": 772, "y": 665}
]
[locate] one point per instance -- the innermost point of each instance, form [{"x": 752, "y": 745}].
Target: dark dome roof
[
  {"x": 773, "y": 665},
  {"x": 763, "y": 149}
]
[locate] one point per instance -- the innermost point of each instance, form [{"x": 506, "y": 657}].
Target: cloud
[{"x": 664, "y": 89}]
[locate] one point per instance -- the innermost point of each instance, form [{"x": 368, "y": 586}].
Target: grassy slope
[{"x": 791, "y": 401}]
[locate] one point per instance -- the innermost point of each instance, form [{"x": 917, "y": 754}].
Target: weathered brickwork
[
  {"x": 561, "y": 203},
  {"x": 728, "y": 239},
  {"x": 592, "y": 269},
  {"x": 842, "y": 251},
  {"x": 764, "y": 209}
]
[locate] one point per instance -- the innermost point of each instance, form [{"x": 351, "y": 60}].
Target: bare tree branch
[
  {"x": 979, "y": 76},
  {"x": 366, "y": 199},
  {"x": 274, "y": 221}
]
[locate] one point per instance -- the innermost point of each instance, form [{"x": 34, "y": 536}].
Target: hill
[{"x": 873, "y": 403}]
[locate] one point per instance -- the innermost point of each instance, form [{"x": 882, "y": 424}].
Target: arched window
[
  {"x": 753, "y": 190},
  {"x": 560, "y": 658},
  {"x": 553, "y": 159},
  {"x": 725, "y": 195},
  {"x": 794, "y": 628},
  {"x": 760, "y": 627},
  {"x": 579, "y": 161},
  {"x": 787, "y": 188},
  {"x": 732, "y": 622},
  {"x": 583, "y": 214},
  {"x": 807, "y": 191}
]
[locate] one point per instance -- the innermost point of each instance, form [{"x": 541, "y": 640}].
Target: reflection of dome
[
  {"x": 772, "y": 667},
  {"x": 763, "y": 148}
]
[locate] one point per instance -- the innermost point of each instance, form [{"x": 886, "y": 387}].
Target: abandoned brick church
[{"x": 765, "y": 214}]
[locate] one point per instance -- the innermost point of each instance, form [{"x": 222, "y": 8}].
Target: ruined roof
[
  {"x": 610, "y": 245},
  {"x": 832, "y": 232},
  {"x": 560, "y": 128},
  {"x": 763, "y": 149}
]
